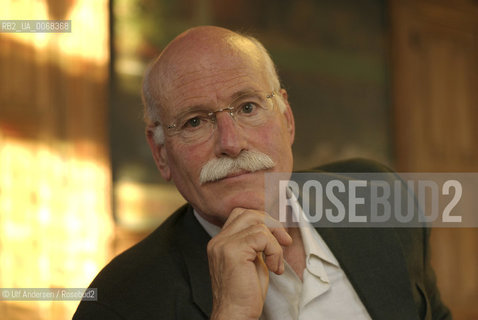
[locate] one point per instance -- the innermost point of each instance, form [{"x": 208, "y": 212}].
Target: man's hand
[{"x": 240, "y": 258}]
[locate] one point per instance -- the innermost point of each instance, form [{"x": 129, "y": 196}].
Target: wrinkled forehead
[{"x": 208, "y": 68}]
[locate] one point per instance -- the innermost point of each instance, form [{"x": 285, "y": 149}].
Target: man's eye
[
  {"x": 193, "y": 122},
  {"x": 248, "y": 107}
]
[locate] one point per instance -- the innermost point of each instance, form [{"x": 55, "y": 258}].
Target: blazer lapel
[
  {"x": 193, "y": 247},
  {"x": 373, "y": 261}
]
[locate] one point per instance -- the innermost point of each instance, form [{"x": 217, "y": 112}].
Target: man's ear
[
  {"x": 289, "y": 117},
  {"x": 160, "y": 155}
]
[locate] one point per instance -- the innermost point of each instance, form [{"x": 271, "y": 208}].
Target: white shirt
[{"x": 324, "y": 293}]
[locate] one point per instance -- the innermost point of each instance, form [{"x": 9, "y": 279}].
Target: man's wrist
[{"x": 231, "y": 313}]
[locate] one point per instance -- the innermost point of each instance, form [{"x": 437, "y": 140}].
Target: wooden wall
[
  {"x": 435, "y": 101},
  {"x": 55, "y": 216}
]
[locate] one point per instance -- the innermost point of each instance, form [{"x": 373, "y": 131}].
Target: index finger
[{"x": 241, "y": 218}]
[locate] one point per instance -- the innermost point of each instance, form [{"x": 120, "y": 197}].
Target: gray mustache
[{"x": 249, "y": 160}]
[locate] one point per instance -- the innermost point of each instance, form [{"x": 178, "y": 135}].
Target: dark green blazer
[{"x": 166, "y": 275}]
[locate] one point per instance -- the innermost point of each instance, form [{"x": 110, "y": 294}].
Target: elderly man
[{"x": 217, "y": 121}]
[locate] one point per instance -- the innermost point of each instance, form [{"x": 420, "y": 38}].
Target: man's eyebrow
[
  {"x": 192, "y": 109},
  {"x": 243, "y": 92}
]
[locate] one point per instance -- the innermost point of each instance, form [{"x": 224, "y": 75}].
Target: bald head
[{"x": 191, "y": 54}]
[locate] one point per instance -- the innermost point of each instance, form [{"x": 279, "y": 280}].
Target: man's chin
[
  {"x": 247, "y": 200},
  {"x": 244, "y": 190},
  {"x": 221, "y": 205}
]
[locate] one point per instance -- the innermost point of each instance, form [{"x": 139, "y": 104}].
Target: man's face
[{"x": 213, "y": 80}]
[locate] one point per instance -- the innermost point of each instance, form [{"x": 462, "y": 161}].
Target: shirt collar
[
  {"x": 313, "y": 243},
  {"x": 210, "y": 228}
]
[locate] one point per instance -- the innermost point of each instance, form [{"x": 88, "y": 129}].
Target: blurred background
[{"x": 395, "y": 81}]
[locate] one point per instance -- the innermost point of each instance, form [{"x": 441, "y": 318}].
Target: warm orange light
[
  {"x": 55, "y": 223},
  {"x": 55, "y": 216}
]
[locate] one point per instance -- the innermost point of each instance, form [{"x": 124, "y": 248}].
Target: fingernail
[{"x": 280, "y": 267}]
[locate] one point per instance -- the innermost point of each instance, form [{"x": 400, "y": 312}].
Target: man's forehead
[{"x": 210, "y": 70}]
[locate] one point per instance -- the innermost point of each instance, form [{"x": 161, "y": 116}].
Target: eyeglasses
[{"x": 251, "y": 109}]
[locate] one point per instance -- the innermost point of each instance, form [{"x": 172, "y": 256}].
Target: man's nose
[{"x": 229, "y": 139}]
